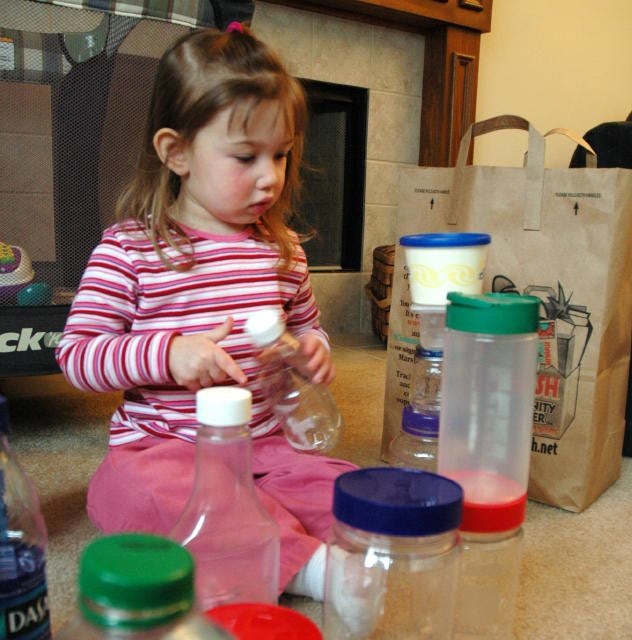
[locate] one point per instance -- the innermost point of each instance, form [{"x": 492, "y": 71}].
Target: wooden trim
[
  {"x": 405, "y": 14},
  {"x": 449, "y": 93}
]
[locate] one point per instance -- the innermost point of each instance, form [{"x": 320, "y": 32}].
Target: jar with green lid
[
  {"x": 488, "y": 387},
  {"x": 137, "y": 586}
]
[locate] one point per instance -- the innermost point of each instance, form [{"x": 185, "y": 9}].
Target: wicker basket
[{"x": 379, "y": 289}]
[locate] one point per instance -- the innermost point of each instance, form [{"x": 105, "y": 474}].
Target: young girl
[{"x": 160, "y": 310}]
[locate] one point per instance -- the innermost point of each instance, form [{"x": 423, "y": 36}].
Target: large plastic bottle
[
  {"x": 23, "y": 539},
  {"x": 135, "y": 586},
  {"x": 234, "y": 540},
  {"x": 306, "y": 410}
]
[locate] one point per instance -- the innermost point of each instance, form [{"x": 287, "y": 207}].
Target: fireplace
[
  {"x": 387, "y": 65},
  {"x": 332, "y": 203}
]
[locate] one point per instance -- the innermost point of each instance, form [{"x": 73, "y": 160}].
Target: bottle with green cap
[
  {"x": 23, "y": 539},
  {"x": 488, "y": 386},
  {"x": 135, "y": 586}
]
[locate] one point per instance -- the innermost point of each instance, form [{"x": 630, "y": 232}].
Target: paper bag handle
[
  {"x": 591, "y": 156},
  {"x": 534, "y": 166}
]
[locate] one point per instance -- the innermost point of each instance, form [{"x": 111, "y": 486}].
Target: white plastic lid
[
  {"x": 223, "y": 406},
  {"x": 264, "y": 327}
]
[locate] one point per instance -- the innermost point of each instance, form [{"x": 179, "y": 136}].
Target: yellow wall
[{"x": 558, "y": 63}]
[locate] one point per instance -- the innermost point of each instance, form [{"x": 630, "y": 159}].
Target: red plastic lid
[
  {"x": 493, "y": 517},
  {"x": 264, "y": 622}
]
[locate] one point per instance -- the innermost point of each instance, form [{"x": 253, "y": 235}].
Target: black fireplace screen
[{"x": 334, "y": 175}]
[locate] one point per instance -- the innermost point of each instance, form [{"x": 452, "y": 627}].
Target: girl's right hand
[{"x": 196, "y": 361}]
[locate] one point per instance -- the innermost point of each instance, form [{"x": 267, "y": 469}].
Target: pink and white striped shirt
[{"x": 129, "y": 305}]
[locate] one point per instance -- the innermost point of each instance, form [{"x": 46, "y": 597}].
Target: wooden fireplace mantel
[{"x": 453, "y": 31}]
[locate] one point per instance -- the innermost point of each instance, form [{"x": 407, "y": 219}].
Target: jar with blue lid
[{"x": 393, "y": 555}]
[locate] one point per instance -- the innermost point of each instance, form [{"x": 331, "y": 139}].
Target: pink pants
[{"x": 143, "y": 486}]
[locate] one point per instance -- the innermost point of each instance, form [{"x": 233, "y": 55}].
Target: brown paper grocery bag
[{"x": 564, "y": 235}]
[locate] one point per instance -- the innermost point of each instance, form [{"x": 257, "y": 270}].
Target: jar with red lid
[{"x": 259, "y": 621}]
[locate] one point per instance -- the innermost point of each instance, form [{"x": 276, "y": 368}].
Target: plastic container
[
  {"x": 234, "y": 540},
  {"x": 488, "y": 587},
  {"x": 488, "y": 388},
  {"x": 442, "y": 262},
  {"x": 426, "y": 384},
  {"x": 416, "y": 445},
  {"x": 264, "y": 622},
  {"x": 23, "y": 541},
  {"x": 136, "y": 586},
  {"x": 307, "y": 411},
  {"x": 393, "y": 556},
  {"x": 431, "y": 325}
]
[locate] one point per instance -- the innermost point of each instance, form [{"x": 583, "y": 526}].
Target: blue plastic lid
[
  {"x": 400, "y": 502},
  {"x": 439, "y": 240},
  {"x": 422, "y": 352},
  {"x": 420, "y": 423}
]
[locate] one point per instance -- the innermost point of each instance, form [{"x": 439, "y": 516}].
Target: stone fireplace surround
[{"x": 389, "y": 63}]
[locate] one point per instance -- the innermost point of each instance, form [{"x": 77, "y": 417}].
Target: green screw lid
[
  {"x": 496, "y": 313},
  {"x": 135, "y": 581}
]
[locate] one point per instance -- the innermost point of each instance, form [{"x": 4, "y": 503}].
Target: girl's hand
[
  {"x": 320, "y": 367},
  {"x": 196, "y": 361}
]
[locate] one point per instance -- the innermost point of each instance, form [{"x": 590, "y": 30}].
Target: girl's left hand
[{"x": 320, "y": 367}]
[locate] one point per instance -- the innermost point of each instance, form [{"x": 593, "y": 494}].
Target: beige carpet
[{"x": 576, "y": 580}]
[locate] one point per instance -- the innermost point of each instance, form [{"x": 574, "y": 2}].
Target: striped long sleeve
[{"x": 129, "y": 305}]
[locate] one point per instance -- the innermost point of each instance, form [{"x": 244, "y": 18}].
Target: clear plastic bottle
[
  {"x": 426, "y": 385},
  {"x": 234, "y": 540},
  {"x": 307, "y": 411},
  {"x": 489, "y": 581},
  {"x": 393, "y": 556},
  {"x": 488, "y": 386},
  {"x": 23, "y": 540},
  {"x": 135, "y": 586},
  {"x": 416, "y": 445}
]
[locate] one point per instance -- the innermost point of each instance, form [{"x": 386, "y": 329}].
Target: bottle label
[{"x": 24, "y": 611}]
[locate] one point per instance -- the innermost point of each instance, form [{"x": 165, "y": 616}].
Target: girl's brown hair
[{"x": 199, "y": 75}]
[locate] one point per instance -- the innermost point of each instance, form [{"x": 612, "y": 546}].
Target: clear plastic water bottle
[
  {"x": 136, "y": 586},
  {"x": 393, "y": 556},
  {"x": 306, "y": 410},
  {"x": 23, "y": 540},
  {"x": 234, "y": 540},
  {"x": 416, "y": 445},
  {"x": 426, "y": 384}
]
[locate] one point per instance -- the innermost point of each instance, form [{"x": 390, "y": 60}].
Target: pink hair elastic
[{"x": 235, "y": 26}]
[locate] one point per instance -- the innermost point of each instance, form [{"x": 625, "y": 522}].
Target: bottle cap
[
  {"x": 223, "y": 406},
  {"x": 420, "y": 423},
  {"x": 494, "y": 517},
  {"x": 394, "y": 501},
  {"x": 135, "y": 581},
  {"x": 493, "y": 313},
  {"x": 4, "y": 415},
  {"x": 439, "y": 240},
  {"x": 264, "y": 622},
  {"x": 264, "y": 327},
  {"x": 422, "y": 352}
]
